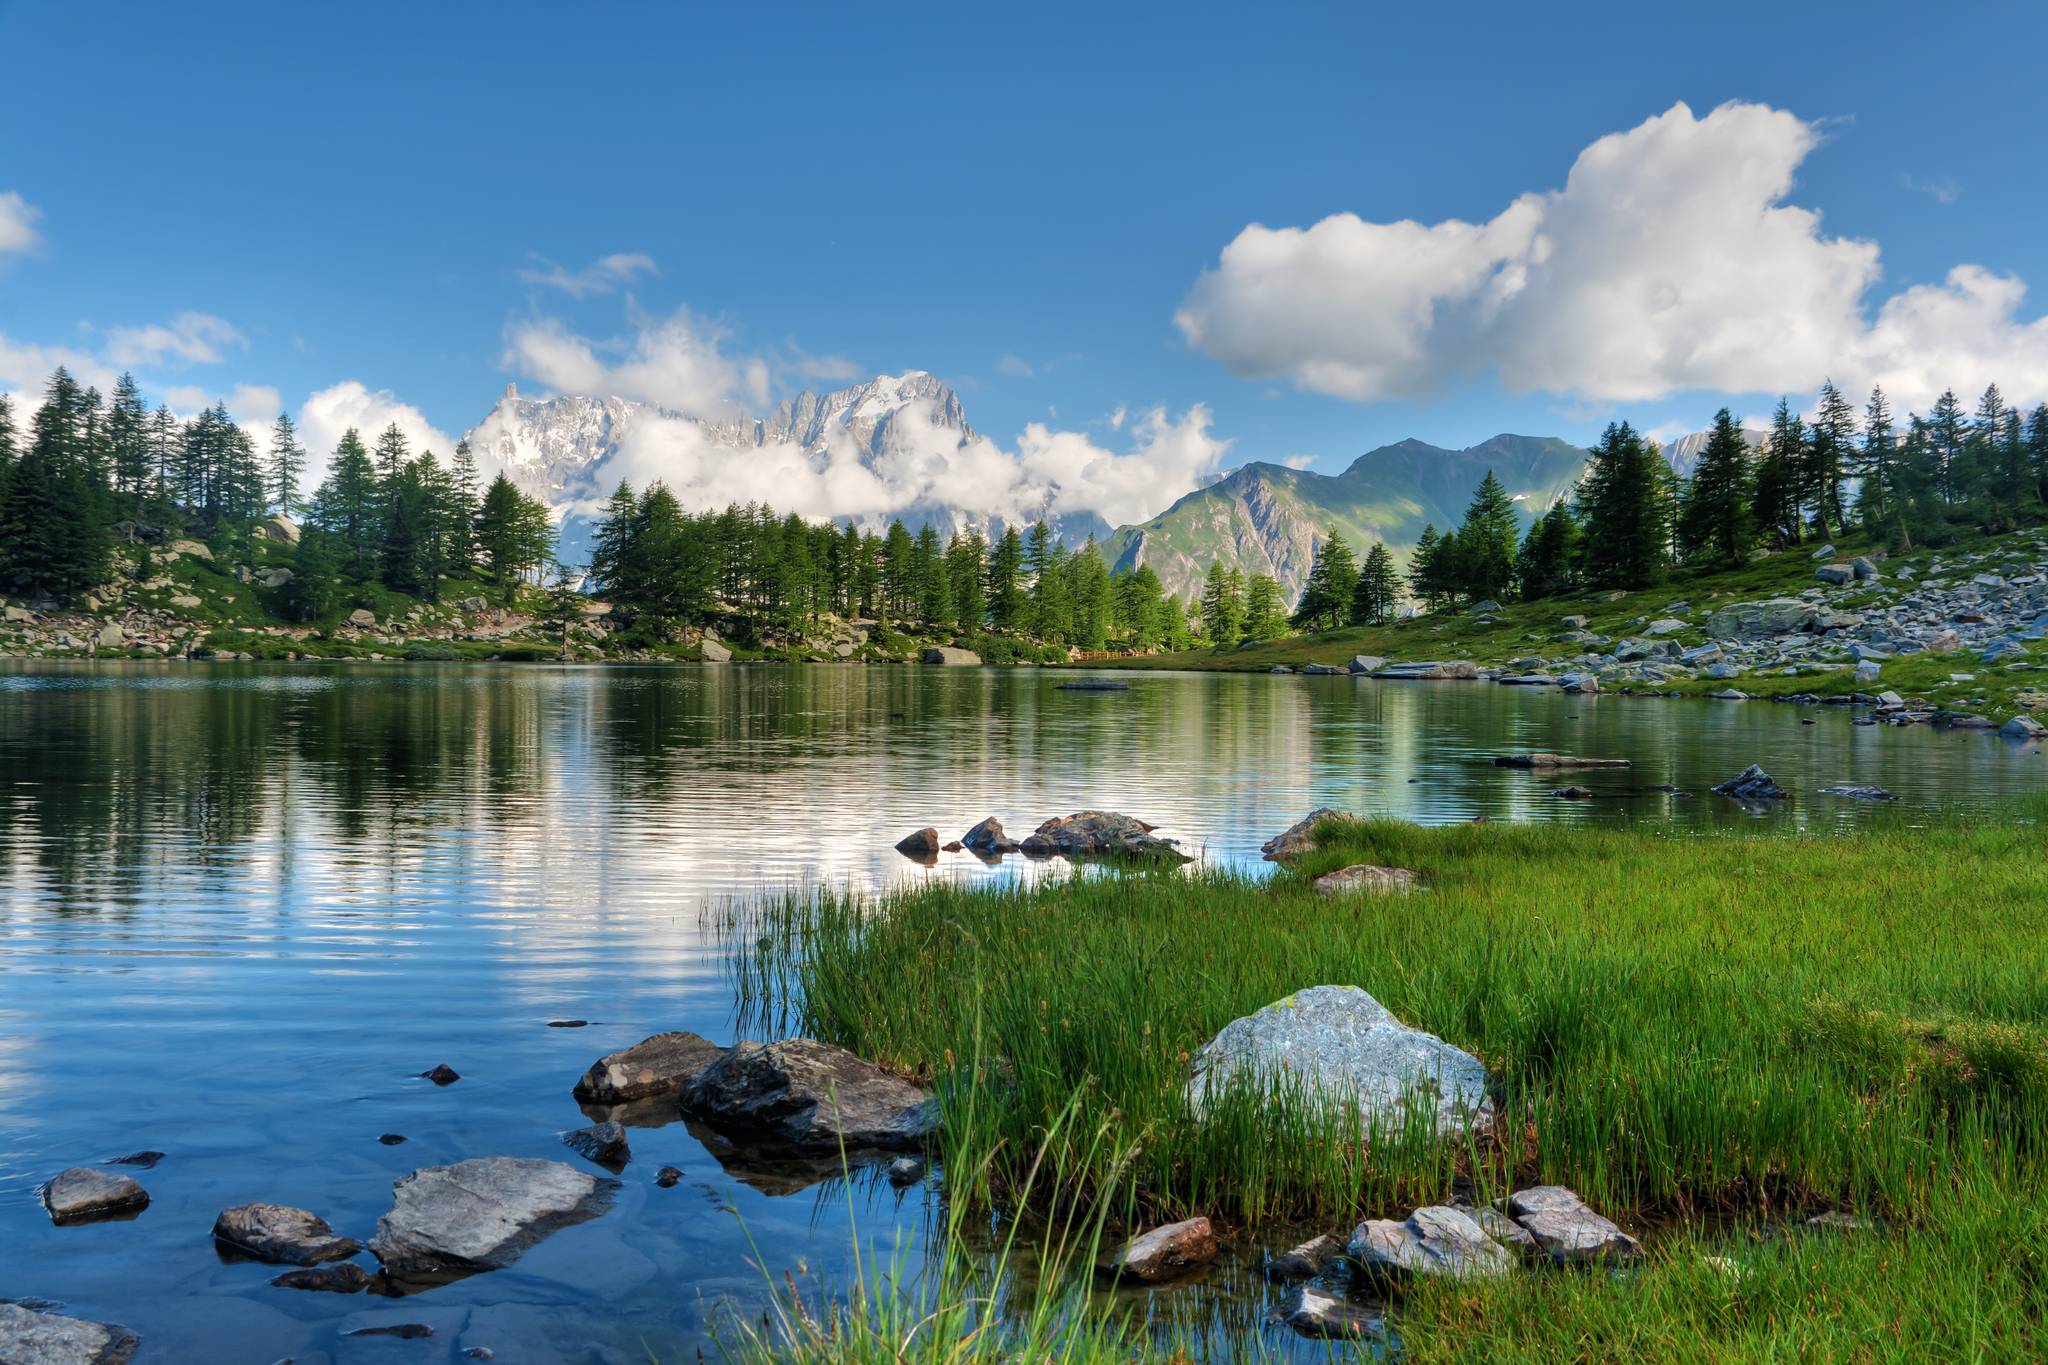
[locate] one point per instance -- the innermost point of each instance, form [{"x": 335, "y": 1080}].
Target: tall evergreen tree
[
  {"x": 287, "y": 461},
  {"x": 1223, "y": 604},
  {"x": 1625, "y": 502},
  {"x": 1876, "y": 462},
  {"x": 1775, "y": 508},
  {"x": 1377, "y": 594},
  {"x": 1264, "y": 608},
  {"x": 1830, "y": 448},
  {"x": 348, "y": 507},
  {"x": 1485, "y": 565},
  {"x": 1544, "y": 567},
  {"x": 1332, "y": 579},
  {"x": 1714, "y": 519}
]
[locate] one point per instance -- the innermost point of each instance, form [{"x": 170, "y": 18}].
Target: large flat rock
[
  {"x": 1437, "y": 1240},
  {"x": 31, "y": 1338},
  {"x": 1340, "y": 1044},
  {"x": 661, "y": 1065},
  {"x": 84, "y": 1195},
  {"x": 809, "y": 1095},
  {"x": 282, "y": 1235},
  {"x": 482, "y": 1214}
]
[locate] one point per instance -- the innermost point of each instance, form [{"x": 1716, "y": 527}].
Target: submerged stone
[
  {"x": 482, "y": 1214},
  {"x": 84, "y": 1195},
  {"x": 28, "y": 1337},
  {"x": 1318, "y": 1313},
  {"x": 281, "y": 1234},
  {"x": 1167, "y": 1252},
  {"x": 810, "y": 1095},
  {"x": 603, "y": 1143},
  {"x": 1299, "y": 1263}
]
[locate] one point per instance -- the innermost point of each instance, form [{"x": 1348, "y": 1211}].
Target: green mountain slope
[{"x": 1266, "y": 518}]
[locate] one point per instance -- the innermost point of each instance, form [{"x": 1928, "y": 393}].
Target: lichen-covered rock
[
  {"x": 31, "y": 1338},
  {"x": 1437, "y": 1240},
  {"x": 1360, "y": 878},
  {"x": 482, "y": 1214},
  {"x": 1299, "y": 837},
  {"x": 84, "y": 1195},
  {"x": 1339, "y": 1045},
  {"x": 661, "y": 1065},
  {"x": 811, "y": 1096},
  {"x": 282, "y": 1235},
  {"x": 1099, "y": 833},
  {"x": 1166, "y": 1253}
]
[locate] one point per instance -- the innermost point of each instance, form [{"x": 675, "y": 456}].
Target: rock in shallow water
[
  {"x": 1437, "y": 1240},
  {"x": 921, "y": 843},
  {"x": 481, "y": 1214},
  {"x": 988, "y": 837},
  {"x": 661, "y": 1065},
  {"x": 1752, "y": 784},
  {"x": 905, "y": 1171},
  {"x": 345, "y": 1278},
  {"x": 812, "y": 1096},
  {"x": 31, "y": 1338},
  {"x": 603, "y": 1143},
  {"x": 1319, "y": 1313},
  {"x": 1167, "y": 1252},
  {"x": 1299, "y": 837},
  {"x": 281, "y": 1234},
  {"x": 1099, "y": 833},
  {"x": 84, "y": 1195},
  {"x": 1298, "y": 1263},
  {"x": 442, "y": 1074},
  {"x": 1340, "y": 1044}
]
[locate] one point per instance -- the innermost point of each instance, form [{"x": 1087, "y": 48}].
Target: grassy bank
[{"x": 1729, "y": 1029}]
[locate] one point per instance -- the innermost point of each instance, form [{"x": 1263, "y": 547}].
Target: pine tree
[
  {"x": 1544, "y": 567},
  {"x": 2037, "y": 451},
  {"x": 287, "y": 461},
  {"x": 1374, "y": 599},
  {"x": 1876, "y": 463},
  {"x": 1775, "y": 505},
  {"x": 514, "y": 535},
  {"x": 1263, "y": 608},
  {"x": 1714, "y": 518},
  {"x": 465, "y": 501},
  {"x": 1223, "y": 604},
  {"x": 314, "y": 587},
  {"x": 1005, "y": 574},
  {"x": 128, "y": 437},
  {"x": 8, "y": 435},
  {"x": 1332, "y": 579},
  {"x": 1485, "y": 566},
  {"x": 1947, "y": 435},
  {"x": 1426, "y": 565},
  {"x": 1625, "y": 502},
  {"x": 1830, "y": 448}
]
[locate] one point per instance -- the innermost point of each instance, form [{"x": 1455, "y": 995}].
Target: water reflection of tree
[{"x": 113, "y": 788}]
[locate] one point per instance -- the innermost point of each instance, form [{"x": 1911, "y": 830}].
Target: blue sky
[{"x": 1024, "y": 200}]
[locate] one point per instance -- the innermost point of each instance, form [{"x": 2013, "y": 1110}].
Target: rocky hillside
[{"x": 1265, "y": 518}]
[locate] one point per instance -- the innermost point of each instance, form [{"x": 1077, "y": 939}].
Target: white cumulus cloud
[
  {"x": 329, "y": 413},
  {"x": 1670, "y": 260},
  {"x": 676, "y": 362},
  {"x": 18, "y": 220}
]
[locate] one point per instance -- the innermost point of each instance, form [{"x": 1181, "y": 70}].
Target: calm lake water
[{"x": 242, "y": 907}]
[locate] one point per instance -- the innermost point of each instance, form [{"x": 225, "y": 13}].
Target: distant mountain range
[{"x": 1264, "y": 518}]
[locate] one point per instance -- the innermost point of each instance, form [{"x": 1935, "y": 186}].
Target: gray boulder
[
  {"x": 1339, "y": 1045},
  {"x": 1099, "y": 833},
  {"x": 1299, "y": 837},
  {"x": 811, "y": 1096},
  {"x": 1834, "y": 573},
  {"x": 1321, "y": 670},
  {"x": 1579, "y": 684},
  {"x": 662, "y": 1065},
  {"x": 1365, "y": 663},
  {"x": 1773, "y": 616},
  {"x": 110, "y": 636},
  {"x": 31, "y": 1338},
  {"x": 1165, "y": 1253},
  {"x": 1752, "y": 784},
  {"x": 362, "y": 618},
  {"x": 713, "y": 652},
  {"x": 951, "y": 657},
  {"x": 2023, "y": 728},
  {"x": 1318, "y": 1313},
  {"x": 988, "y": 837},
  {"x": 1864, "y": 570},
  {"x": 1360, "y": 878},
  {"x": 602, "y": 1143},
  {"x": 1456, "y": 670},
  {"x": 1299, "y": 1263},
  {"x": 281, "y": 1235},
  {"x": 920, "y": 843},
  {"x": 1567, "y": 1231},
  {"x": 1437, "y": 1240},
  {"x": 478, "y": 1215},
  {"x": 1668, "y": 626},
  {"x": 84, "y": 1195}
]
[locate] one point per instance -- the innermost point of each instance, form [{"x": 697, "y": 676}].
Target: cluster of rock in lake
[{"x": 1084, "y": 834}]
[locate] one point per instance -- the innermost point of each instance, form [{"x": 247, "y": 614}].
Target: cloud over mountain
[{"x": 1670, "y": 260}]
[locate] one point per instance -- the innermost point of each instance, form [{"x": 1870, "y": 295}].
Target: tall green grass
[
  {"x": 1716, "y": 1033},
  {"x": 1675, "y": 1022}
]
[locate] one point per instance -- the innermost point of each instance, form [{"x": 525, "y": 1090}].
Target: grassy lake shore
[{"x": 1720, "y": 1034}]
